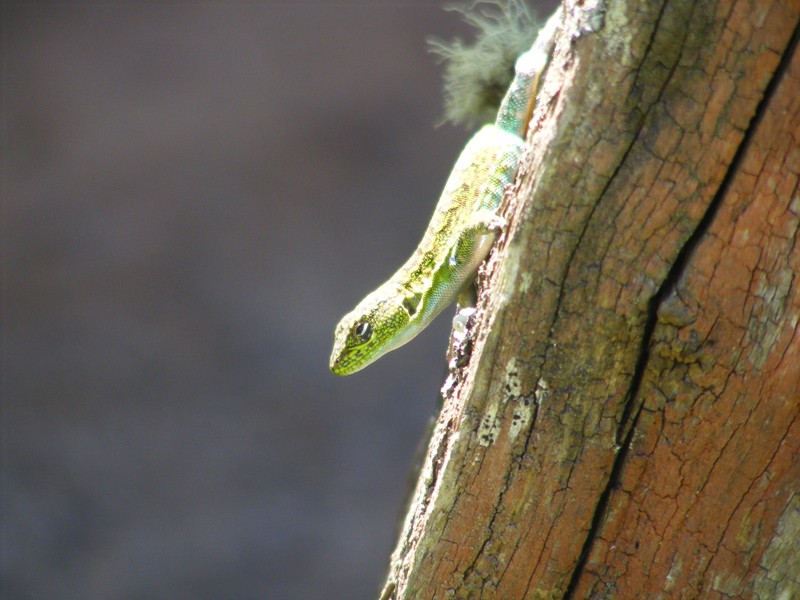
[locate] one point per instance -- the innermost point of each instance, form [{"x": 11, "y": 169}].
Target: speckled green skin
[{"x": 457, "y": 240}]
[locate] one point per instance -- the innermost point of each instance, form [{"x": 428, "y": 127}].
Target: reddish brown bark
[{"x": 629, "y": 425}]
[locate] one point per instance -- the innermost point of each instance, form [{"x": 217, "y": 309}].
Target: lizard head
[{"x": 380, "y": 323}]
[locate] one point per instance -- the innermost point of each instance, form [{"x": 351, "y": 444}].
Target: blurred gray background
[{"x": 193, "y": 195}]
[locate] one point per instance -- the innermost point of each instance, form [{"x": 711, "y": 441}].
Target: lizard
[{"x": 460, "y": 234}]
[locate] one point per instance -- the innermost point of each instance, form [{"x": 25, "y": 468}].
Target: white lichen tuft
[{"x": 477, "y": 75}]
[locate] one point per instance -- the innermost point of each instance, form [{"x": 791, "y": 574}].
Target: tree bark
[{"x": 628, "y": 425}]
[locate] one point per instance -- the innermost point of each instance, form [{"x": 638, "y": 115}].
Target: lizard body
[{"x": 459, "y": 236}]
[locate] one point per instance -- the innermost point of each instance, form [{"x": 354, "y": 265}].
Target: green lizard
[{"x": 461, "y": 232}]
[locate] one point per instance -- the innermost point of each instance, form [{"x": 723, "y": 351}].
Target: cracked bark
[{"x": 629, "y": 422}]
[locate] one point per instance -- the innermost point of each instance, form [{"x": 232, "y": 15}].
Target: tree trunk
[{"x": 627, "y": 425}]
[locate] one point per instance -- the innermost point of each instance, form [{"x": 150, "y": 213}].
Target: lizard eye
[{"x": 362, "y": 331}]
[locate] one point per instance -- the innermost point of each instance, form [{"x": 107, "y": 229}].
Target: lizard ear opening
[{"x": 411, "y": 304}]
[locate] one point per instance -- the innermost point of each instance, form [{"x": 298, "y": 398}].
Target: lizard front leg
[{"x": 471, "y": 249}]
